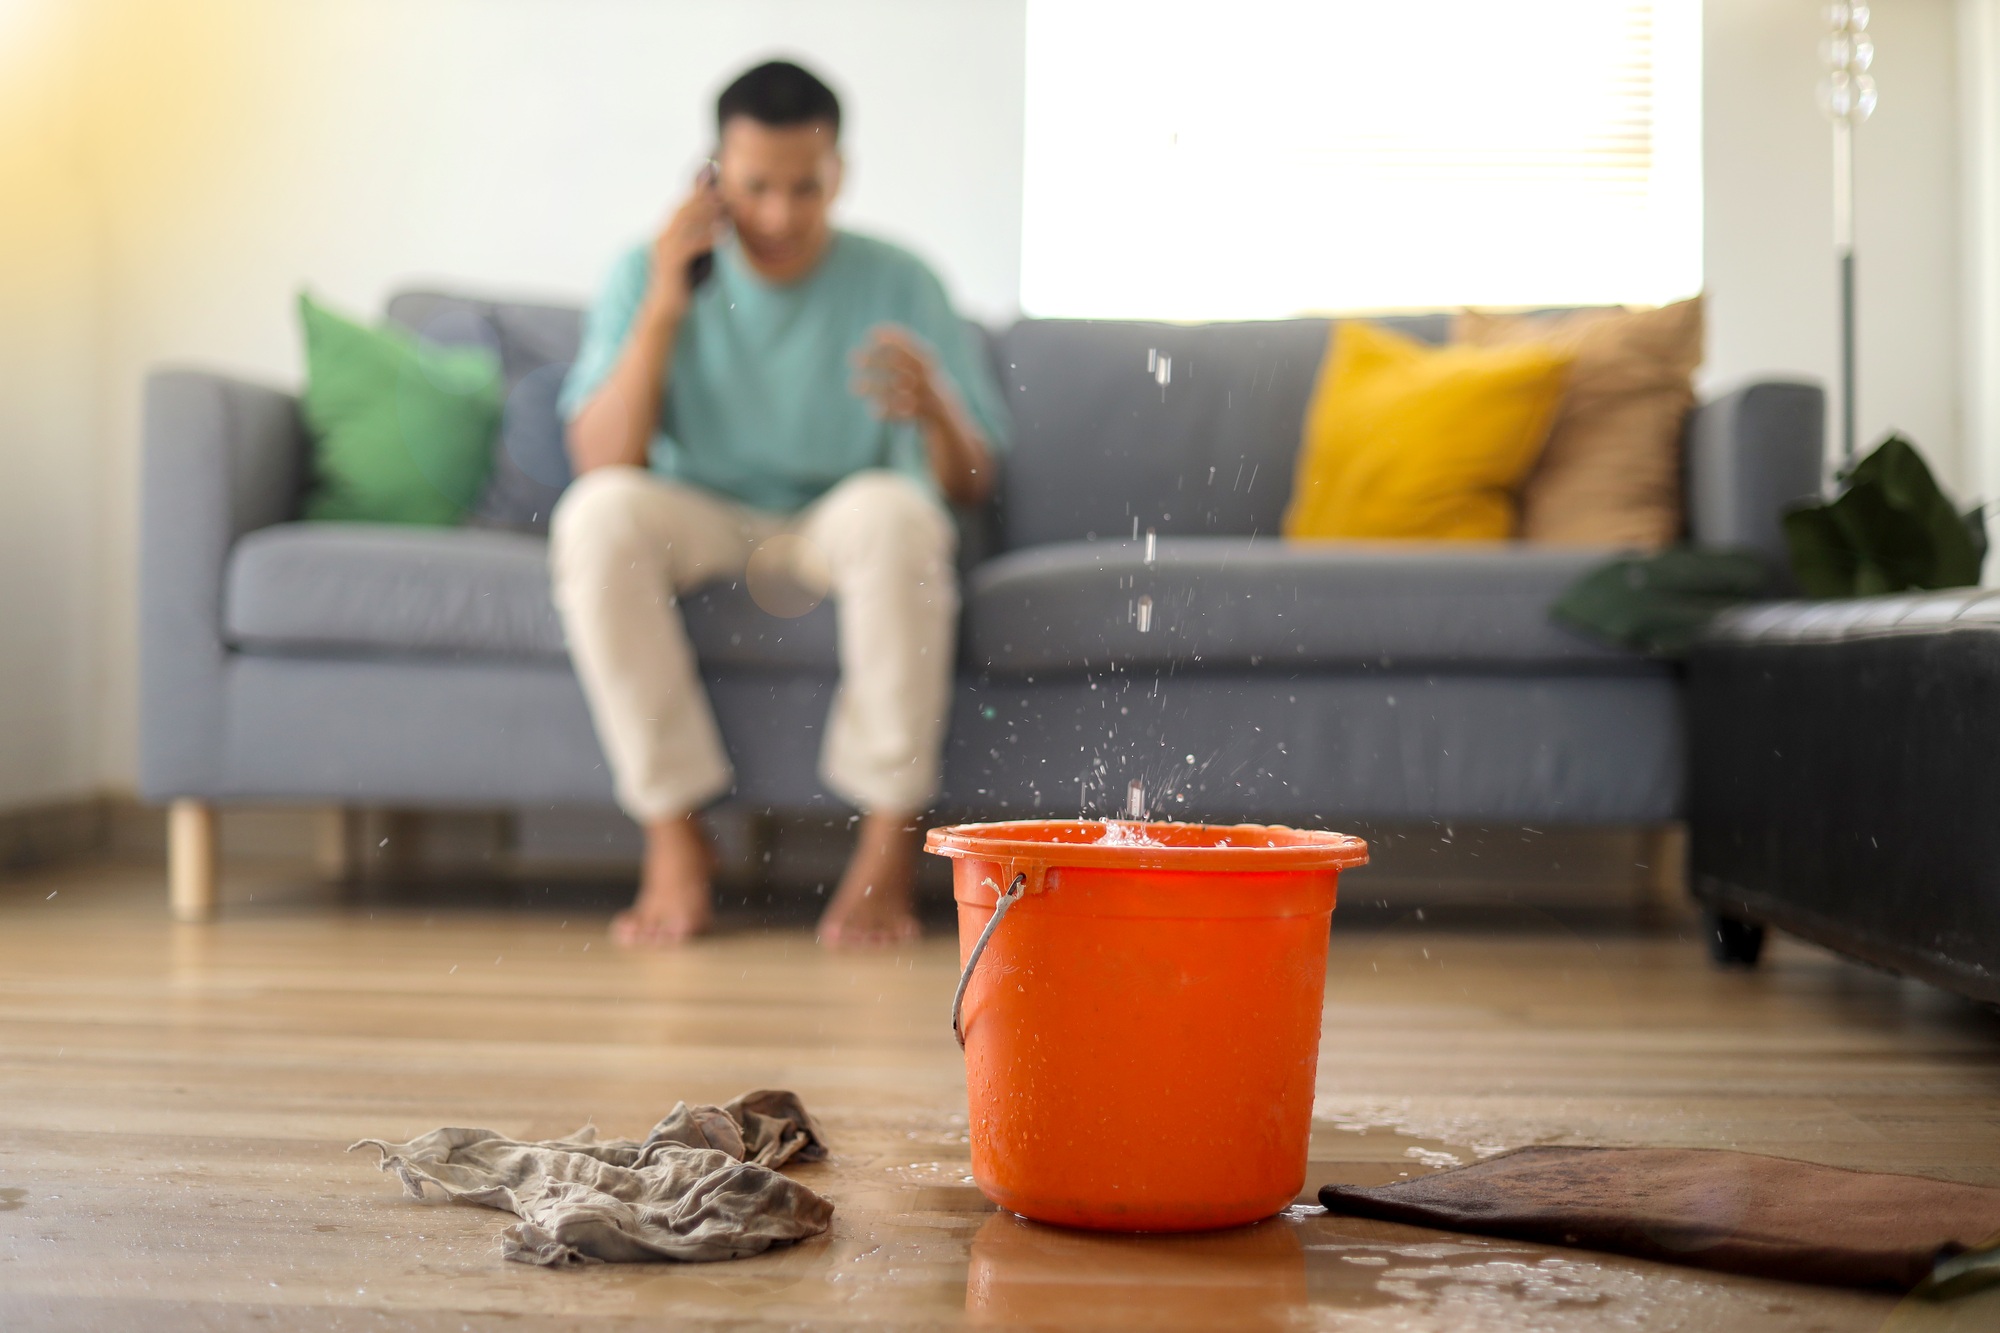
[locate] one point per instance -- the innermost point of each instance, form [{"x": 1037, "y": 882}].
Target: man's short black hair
[{"x": 778, "y": 93}]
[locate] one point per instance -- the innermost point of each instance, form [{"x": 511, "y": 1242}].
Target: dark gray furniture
[
  {"x": 293, "y": 662},
  {"x": 1843, "y": 782}
]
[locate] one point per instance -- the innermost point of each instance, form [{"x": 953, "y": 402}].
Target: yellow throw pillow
[{"x": 1406, "y": 440}]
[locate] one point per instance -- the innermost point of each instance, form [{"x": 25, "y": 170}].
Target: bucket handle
[{"x": 1006, "y": 900}]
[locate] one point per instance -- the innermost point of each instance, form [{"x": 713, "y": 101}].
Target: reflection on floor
[{"x": 174, "y": 1103}]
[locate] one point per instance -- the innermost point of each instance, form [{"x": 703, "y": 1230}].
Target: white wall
[
  {"x": 51, "y": 464},
  {"x": 1979, "y": 158},
  {"x": 1769, "y": 248}
]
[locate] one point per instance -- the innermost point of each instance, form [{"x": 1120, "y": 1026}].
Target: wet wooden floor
[{"x": 175, "y": 1101}]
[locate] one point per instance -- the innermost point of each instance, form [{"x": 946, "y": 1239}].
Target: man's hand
[
  {"x": 900, "y": 378},
  {"x": 896, "y": 374},
  {"x": 615, "y": 427},
  {"x": 694, "y": 229}
]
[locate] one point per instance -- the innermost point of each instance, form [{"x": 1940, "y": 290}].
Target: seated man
[{"x": 802, "y": 394}]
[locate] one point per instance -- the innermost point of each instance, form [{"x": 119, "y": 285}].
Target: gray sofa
[{"x": 422, "y": 668}]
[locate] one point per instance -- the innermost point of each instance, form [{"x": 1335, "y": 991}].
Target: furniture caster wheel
[{"x": 1733, "y": 943}]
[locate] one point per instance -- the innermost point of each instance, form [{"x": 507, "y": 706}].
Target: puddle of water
[
  {"x": 1352, "y": 1151},
  {"x": 1266, "y": 1276},
  {"x": 934, "y": 1173}
]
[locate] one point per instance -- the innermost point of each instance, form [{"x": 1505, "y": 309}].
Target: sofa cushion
[
  {"x": 1231, "y": 603},
  {"x": 356, "y": 588},
  {"x": 531, "y": 466}
]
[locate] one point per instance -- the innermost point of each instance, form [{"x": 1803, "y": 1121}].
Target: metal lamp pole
[{"x": 1847, "y": 94}]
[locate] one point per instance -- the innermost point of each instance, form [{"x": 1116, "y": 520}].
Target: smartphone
[{"x": 702, "y": 265}]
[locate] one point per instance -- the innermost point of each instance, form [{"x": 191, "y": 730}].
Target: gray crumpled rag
[{"x": 703, "y": 1185}]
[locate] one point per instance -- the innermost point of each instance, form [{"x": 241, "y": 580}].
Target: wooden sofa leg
[
  {"x": 333, "y": 848},
  {"x": 191, "y": 860},
  {"x": 1663, "y": 848}
]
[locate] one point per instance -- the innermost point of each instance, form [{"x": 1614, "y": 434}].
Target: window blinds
[{"x": 1204, "y": 160}]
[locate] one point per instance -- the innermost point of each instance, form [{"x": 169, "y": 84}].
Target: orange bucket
[{"x": 1141, "y": 1017}]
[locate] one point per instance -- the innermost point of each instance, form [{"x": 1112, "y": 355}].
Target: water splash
[
  {"x": 1125, "y": 833},
  {"x": 1131, "y": 830}
]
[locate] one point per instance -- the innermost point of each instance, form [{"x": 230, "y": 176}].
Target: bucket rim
[{"x": 1282, "y": 847}]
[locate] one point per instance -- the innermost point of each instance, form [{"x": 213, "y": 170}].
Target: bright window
[{"x": 1249, "y": 159}]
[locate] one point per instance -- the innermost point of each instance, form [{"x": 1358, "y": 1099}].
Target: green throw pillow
[{"x": 402, "y": 429}]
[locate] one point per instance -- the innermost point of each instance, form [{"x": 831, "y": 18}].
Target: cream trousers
[{"x": 623, "y": 543}]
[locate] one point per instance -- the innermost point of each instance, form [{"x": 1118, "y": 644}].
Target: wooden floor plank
[{"x": 175, "y": 1103}]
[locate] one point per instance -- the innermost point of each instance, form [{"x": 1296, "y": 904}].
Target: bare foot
[
  {"x": 673, "y": 903},
  {"x": 872, "y": 904}
]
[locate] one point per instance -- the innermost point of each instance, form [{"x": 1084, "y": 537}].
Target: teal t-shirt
[{"x": 758, "y": 405}]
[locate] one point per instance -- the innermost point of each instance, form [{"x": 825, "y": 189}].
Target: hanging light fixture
[{"x": 1847, "y": 95}]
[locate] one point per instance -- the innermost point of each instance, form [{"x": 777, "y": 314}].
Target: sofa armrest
[
  {"x": 1751, "y": 455},
  {"x": 219, "y": 458}
]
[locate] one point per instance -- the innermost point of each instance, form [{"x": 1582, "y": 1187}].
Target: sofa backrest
[
  {"x": 536, "y": 344},
  {"x": 1186, "y": 429},
  {"x": 526, "y": 336},
  {"x": 1189, "y": 430}
]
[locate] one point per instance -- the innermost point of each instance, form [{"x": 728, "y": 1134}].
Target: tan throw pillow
[{"x": 1611, "y": 472}]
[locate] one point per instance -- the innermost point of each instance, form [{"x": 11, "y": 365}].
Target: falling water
[
  {"x": 1144, "y": 614},
  {"x": 1130, "y": 831}
]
